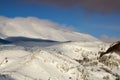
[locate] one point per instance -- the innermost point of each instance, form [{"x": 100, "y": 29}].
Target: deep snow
[{"x": 42, "y": 51}]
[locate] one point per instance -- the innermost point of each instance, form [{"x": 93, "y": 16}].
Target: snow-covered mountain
[
  {"x": 36, "y": 28},
  {"x": 65, "y": 61},
  {"x": 42, "y": 50}
]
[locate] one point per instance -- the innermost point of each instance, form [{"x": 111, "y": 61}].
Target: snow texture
[{"x": 41, "y": 51}]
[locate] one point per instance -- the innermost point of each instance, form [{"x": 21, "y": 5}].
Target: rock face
[{"x": 115, "y": 47}]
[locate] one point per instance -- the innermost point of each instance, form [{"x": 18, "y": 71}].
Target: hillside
[
  {"x": 43, "y": 50},
  {"x": 66, "y": 61}
]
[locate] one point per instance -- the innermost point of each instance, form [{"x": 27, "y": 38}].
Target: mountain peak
[{"x": 37, "y": 28}]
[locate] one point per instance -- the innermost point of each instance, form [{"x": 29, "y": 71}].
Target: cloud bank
[{"x": 103, "y": 6}]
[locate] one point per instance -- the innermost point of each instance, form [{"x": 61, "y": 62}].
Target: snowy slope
[
  {"x": 66, "y": 61},
  {"x": 36, "y": 53},
  {"x": 37, "y": 28}
]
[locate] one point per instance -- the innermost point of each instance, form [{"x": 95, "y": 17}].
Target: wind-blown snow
[
  {"x": 37, "y": 28},
  {"x": 42, "y": 50}
]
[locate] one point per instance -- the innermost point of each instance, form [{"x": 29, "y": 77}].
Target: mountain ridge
[
  {"x": 37, "y": 28},
  {"x": 44, "y": 50}
]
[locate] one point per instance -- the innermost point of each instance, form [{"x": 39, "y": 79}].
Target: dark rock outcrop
[{"x": 115, "y": 47}]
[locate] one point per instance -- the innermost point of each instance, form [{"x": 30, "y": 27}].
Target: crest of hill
[{"x": 38, "y": 28}]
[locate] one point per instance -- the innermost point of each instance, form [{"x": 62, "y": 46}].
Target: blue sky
[{"x": 82, "y": 20}]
